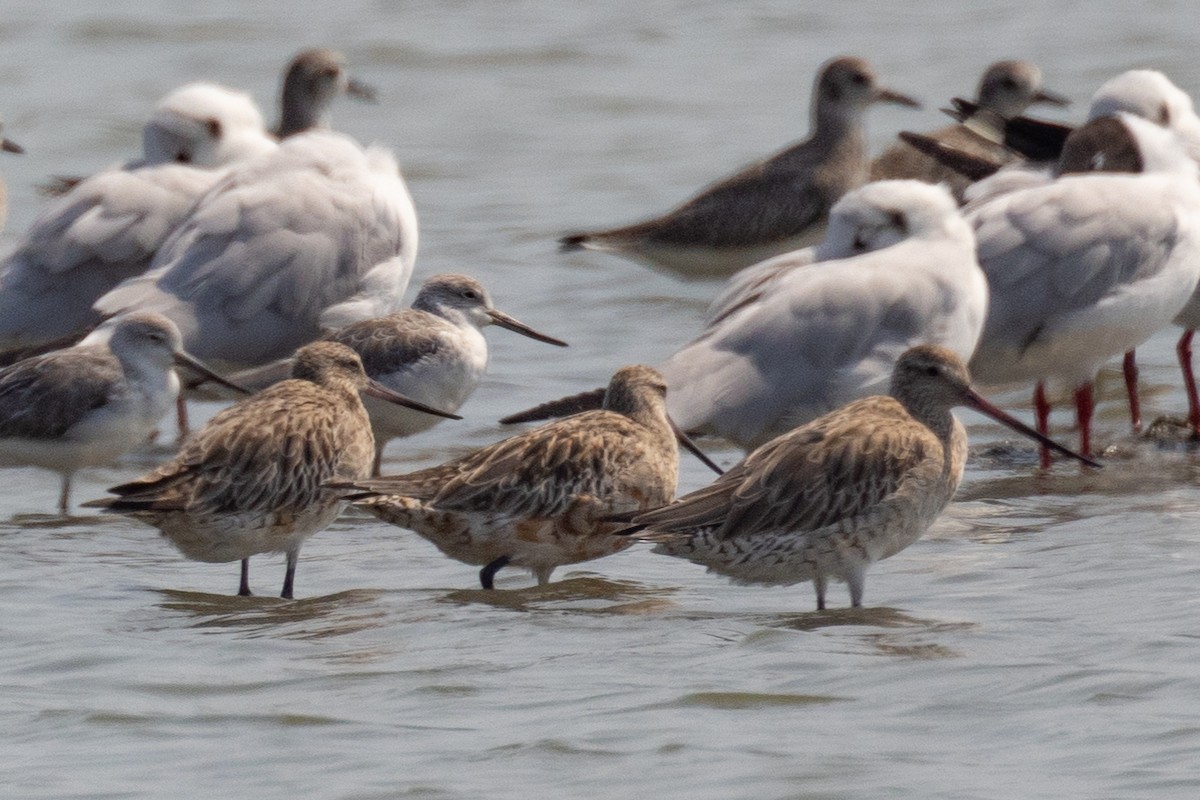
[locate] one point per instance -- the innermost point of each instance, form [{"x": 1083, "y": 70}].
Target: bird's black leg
[{"x": 488, "y": 573}]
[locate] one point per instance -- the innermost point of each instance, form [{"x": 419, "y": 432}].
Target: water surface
[{"x": 1040, "y": 641}]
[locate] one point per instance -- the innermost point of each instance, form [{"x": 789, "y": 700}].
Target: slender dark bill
[
  {"x": 693, "y": 448},
  {"x": 516, "y": 326},
  {"x": 976, "y": 401},
  {"x": 198, "y": 367},
  {"x": 363, "y": 91},
  {"x": 888, "y": 96},
  {"x": 381, "y": 392}
]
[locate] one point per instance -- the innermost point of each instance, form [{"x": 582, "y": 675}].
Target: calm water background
[{"x": 1040, "y": 641}]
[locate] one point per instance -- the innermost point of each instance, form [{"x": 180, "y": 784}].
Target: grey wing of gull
[
  {"x": 248, "y": 274},
  {"x": 747, "y": 285},
  {"x": 44, "y": 396},
  {"x": 1060, "y": 249},
  {"x": 103, "y": 231}
]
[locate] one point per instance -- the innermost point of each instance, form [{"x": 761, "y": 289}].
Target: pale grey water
[{"x": 1040, "y": 641}]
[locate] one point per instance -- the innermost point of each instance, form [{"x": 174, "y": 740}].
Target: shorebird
[
  {"x": 87, "y": 405},
  {"x": 1006, "y": 89},
  {"x": 253, "y": 479},
  {"x": 831, "y": 497},
  {"x": 311, "y": 82},
  {"x": 770, "y": 207},
  {"x": 308, "y": 238},
  {"x": 1087, "y": 267},
  {"x": 107, "y": 227},
  {"x": 6, "y": 146},
  {"x": 540, "y": 499},
  {"x": 433, "y": 352}
]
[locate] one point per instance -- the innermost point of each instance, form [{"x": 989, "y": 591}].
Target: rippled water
[{"x": 1040, "y": 641}]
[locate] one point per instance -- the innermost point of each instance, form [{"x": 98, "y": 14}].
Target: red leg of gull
[
  {"x": 1041, "y": 414},
  {"x": 1184, "y": 351},
  {"x": 1084, "y": 406},
  {"x": 1131, "y": 389}
]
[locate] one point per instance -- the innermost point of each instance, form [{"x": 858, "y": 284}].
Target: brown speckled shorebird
[
  {"x": 538, "y": 499},
  {"x": 831, "y": 497},
  {"x": 253, "y": 479},
  {"x": 770, "y": 207}
]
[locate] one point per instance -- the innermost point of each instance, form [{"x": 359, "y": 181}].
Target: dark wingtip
[
  {"x": 1036, "y": 139},
  {"x": 563, "y": 407},
  {"x": 966, "y": 164},
  {"x": 104, "y": 502},
  {"x": 572, "y": 242}
]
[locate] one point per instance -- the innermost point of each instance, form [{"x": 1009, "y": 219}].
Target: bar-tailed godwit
[
  {"x": 831, "y": 497},
  {"x": 253, "y": 479},
  {"x": 539, "y": 500}
]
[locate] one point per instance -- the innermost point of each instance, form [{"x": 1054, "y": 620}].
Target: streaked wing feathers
[{"x": 818, "y": 475}]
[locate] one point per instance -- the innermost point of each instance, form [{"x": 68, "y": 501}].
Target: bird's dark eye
[
  {"x": 1008, "y": 83},
  {"x": 931, "y": 371},
  {"x": 183, "y": 158},
  {"x": 898, "y": 221},
  {"x": 470, "y": 294},
  {"x": 1164, "y": 114},
  {"x": 859, "y": 79}
]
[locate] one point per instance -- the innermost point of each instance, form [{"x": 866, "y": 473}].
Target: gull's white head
[
  {"x": 207, "y": 125},
  {"x": 1149, "y": 94},
  {"x": 884, "y": 213}
]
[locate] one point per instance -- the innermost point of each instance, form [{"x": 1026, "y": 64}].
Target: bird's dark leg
[
  {"x": 487, "y": 575},
  {"x": 289, "y": 577},
  {"x": 244, "y": 586}
]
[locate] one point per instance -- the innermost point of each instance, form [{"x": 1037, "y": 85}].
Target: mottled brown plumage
[
  {"x": 537, "y": 500},
  {"x": 831, "y": 497},
  {"x": 254, "y": 479}
]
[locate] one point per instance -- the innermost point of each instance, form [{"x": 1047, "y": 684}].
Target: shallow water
[{"x": 1040, "y": 641}]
